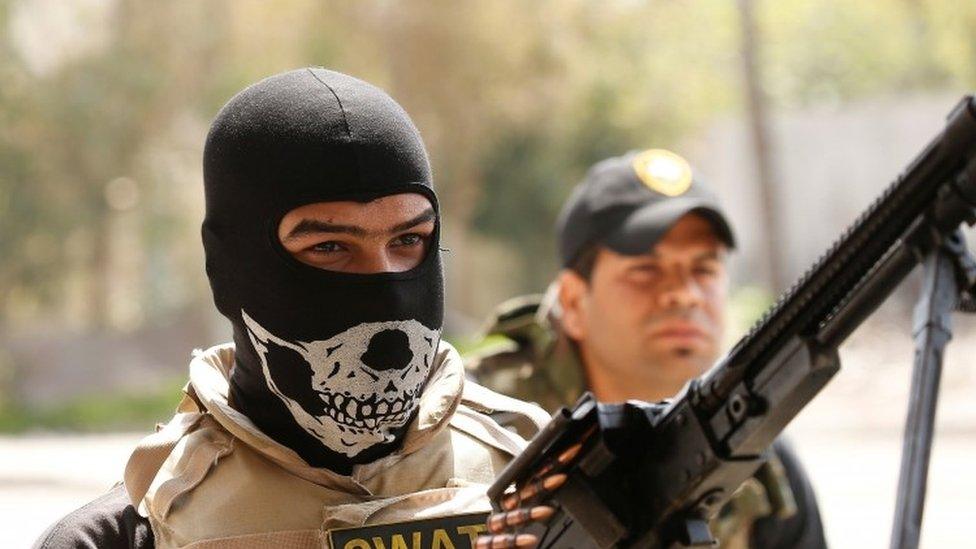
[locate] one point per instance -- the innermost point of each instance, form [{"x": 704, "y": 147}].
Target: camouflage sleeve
[
  {"x": 803, "y": 529},
  {"x": 521, "y": 371}
]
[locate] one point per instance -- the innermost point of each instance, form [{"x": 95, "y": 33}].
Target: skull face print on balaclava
[{"x": 330, "y": 364}]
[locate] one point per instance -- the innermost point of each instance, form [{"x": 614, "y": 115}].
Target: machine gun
[{"x": 650, "y": 475}]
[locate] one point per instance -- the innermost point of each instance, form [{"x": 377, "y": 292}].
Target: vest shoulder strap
[
  {"x": 486, "y": 401},
  {"x": 152, "y": 451},
  {"x": 487, "y": 431}
]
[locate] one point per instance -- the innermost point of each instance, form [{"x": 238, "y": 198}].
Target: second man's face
[{"x": 655, "y": 320}]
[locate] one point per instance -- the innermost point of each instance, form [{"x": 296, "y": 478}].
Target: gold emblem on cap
[{"x": 663, "y": 171}]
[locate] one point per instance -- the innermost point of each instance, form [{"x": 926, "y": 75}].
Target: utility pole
[{"x": 757, "y": 114}]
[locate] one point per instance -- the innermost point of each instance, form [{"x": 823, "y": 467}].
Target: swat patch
[
  {"x": 663, "y": 171},
  {"x": 453, "y": 532}
]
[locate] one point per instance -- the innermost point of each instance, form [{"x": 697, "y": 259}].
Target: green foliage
[
  {"x": 475, "y": 344},
  {"x": 832, "y": 50},
  {"x": 521, "y": 200},
  {"x": 97, "y": 413},
  {"x": 514, "y": 102},
  {"x": 746, "y": 305}
]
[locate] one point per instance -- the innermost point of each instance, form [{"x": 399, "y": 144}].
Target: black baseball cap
[{"x": 627, "y": 203}]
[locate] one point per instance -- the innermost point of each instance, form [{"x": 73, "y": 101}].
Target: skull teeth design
[
  {"x": 355, "y": 415},
  {"x": 359, "y": 385}
]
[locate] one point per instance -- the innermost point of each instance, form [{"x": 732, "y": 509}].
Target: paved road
[
  {"x": 43, "y": 477},
  {"x": 856, "y": 478}
]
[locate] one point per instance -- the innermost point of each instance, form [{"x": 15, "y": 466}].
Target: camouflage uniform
[{"x": 533, "y": 360}]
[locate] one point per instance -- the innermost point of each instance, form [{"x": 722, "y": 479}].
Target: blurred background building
[{"x": 798, "y": 112}]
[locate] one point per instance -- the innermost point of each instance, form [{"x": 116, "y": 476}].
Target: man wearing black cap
[
  {"x": 636, "y": 312},
  {"x": 337, "y": 417}
]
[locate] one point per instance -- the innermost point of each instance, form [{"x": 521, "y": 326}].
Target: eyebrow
[
  {"x": 314, "y": 226},
  {"x": 716, "y": 255},
  {"x": 709, "y": 255}
]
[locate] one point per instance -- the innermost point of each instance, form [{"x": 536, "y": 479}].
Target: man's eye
[
  {"x": 410, "y": 239},
  {"x": 328, "y": 247},
  {"x": 706, "y": 270},
  {"x": 645, "y": 268}
]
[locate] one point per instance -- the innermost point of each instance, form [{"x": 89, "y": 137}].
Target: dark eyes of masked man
[
  {"x": 636, "y": 312},
  {"x": 337, "y": 410},
  {"x": 387, "y": 235}
]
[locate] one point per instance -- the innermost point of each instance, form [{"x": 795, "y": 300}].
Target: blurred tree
[
  {"x": 757, "y": 113},
  {"x": 515, "y": 101},
  {"x": 104, "y": 108},
  {"x": 833, "y": 50},
  {"x": 80, "y": 128},
  {"x": 24, "y": 213}
]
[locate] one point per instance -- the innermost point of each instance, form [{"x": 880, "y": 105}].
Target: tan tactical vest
[
  {"x": 211, "y": 479},
  {"x": 527, "y": 356}
]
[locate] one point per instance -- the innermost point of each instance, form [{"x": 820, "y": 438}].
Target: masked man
[
  {"x": 337, "y": 407},
  {"x": 636, "y": 312}
]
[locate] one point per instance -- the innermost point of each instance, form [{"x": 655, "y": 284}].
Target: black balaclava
[{"x": 329, "y": 364}]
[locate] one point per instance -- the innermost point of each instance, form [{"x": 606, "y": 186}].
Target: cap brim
[{"x": 643, "y": 228}]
